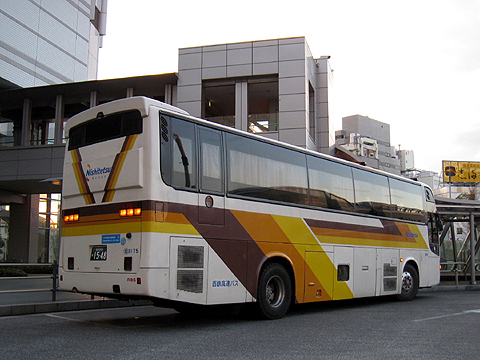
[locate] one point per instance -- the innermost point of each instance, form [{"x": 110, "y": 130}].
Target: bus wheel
[
  {"x": 274, "y": 292},
  {"x": 409, "y": 283}
]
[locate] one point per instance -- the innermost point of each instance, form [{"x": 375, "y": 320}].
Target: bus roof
[{"x": 136, "y": 102}]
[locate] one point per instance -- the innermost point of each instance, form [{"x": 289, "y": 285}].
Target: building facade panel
[
  {"x": 293, "y": 85},
  {"x": 239, "y": 56},
  {"x": 190, "y": 77},
  {"x": 24, "y": 11},
  {"x": 214, "y": 73},
  {"x": 60, "y": 34},
  {"x": 292, "y": 51},
  {"x": 239, "y": 70},
  {"x": 292, "y": 102},
  {"x": 296, "y": 137},
  {"x": 265, "y": 68},
  {"x": 265, "y": 54},
  {"x": 291, "y": 68},
  {"x": 188, "y": 61},
  {"x": 50, "y": 41},
  {"x": 214, "y": 58},
  {"x": 294, "y": 119}
]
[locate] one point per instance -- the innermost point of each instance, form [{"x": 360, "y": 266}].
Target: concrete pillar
[
  {"x": 23, "y": 231},
  {"x": 241, "y": 105},
  {"x": 93, "y": 99},
  {"x": 26, "y": 121},
  {"x": 473, "y": 241},
  {"x": 59, "y": 115},
  {"x": 168, "y": 94}
]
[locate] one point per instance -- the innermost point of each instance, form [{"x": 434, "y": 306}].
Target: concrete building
[
  {"x": 369, "y": 141},
  {"x": 42, "y": 42},
  {"x": 46, "y": 42},
  {"x": 274, "y": 88}
]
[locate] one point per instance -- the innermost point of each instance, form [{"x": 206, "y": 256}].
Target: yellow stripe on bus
[{"x": 296, "y": 228}]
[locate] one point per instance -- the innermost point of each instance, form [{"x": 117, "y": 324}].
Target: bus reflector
[
  {"x": 127, "y": 263},
  {"x": 130, "y": 212}
]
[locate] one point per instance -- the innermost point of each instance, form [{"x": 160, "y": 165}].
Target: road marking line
[
  {"x": 63, "y": 317},
  {"x": 449, "y": 315}
]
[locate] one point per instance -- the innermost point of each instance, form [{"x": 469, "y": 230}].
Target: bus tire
[
  {"x": 409, "y": 283},
  {"x": 274, "y": 294}
]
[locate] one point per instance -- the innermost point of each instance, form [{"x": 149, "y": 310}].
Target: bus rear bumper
[{"x": 117, "y": 285}]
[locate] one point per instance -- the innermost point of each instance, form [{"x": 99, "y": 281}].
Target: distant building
[{"x": 369, "y": 141}]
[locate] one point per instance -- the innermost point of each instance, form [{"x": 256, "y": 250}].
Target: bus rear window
[{"x": 105, "y": 128}]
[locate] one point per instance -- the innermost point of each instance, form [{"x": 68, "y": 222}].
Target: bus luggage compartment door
[{"x": 188, "y": 259}]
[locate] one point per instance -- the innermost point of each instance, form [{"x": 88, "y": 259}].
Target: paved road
[{"x": 436, "y": 325}]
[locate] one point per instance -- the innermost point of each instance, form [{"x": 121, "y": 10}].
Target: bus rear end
[{"x": 102, "y": 208}]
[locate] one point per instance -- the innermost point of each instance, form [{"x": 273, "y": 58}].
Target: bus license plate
[{"x": 98, "y": 253}]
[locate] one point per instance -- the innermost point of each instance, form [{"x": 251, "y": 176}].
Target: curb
[
  {"x": 447, "y": 288},
  {"x": 59, "y": 306}
]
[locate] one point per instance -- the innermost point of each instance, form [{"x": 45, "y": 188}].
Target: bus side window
[
  {"x": 331, "y": 184},
  {"x": 265, "y": 171},
  {"x": 407, "y": 202},
  {"x": 211, "y": 167},
  {"x": 372, "y": 193},
  {"x": 178, "y": 157},
  {"x": 165, "y": 149}
]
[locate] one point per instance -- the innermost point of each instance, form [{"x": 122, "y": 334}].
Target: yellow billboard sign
[{"x": 461, "y": 171}]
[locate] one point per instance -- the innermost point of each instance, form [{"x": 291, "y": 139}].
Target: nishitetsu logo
[{"x": 97, "y": 173}]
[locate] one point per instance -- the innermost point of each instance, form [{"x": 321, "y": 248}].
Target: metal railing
[
  {"x": 54, "y": 278},
  {"x": 457, "y": 267}
]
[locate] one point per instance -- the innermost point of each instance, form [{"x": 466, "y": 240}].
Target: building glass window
[
  {"x": 48, "y": 227},
  {"x": 10, "y": 127},
  {"x": 219, "y": 102},
  {"x": 42, "y": 128},
  {"x": 262, "y": 105},
  {"x": 71, "y": 109}
]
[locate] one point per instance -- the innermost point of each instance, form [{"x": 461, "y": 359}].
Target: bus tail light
[
  {"x": 71, "y": 217},
  {"x": 130, "y": 212}
]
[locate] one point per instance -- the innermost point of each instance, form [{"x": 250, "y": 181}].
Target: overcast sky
[{"x": 414, "y": 64}]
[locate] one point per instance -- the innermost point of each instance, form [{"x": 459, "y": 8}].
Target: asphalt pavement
[{"x": 34, "y": 296}]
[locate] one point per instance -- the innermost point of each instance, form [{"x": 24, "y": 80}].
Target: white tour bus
[{"x": 163, "y": 206}]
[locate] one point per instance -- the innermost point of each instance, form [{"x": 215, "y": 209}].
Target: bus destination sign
[{"x": 461, "y": 171}]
